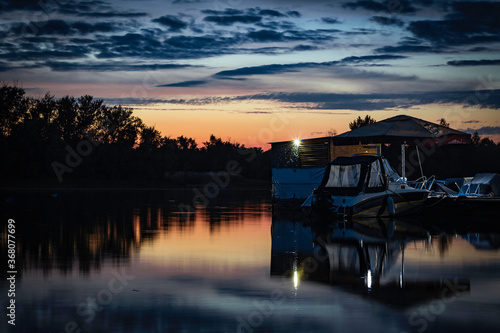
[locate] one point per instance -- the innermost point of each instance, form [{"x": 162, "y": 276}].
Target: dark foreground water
[{"x": 147, "y": 261}]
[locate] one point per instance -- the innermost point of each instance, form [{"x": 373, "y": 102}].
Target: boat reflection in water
[{"x": 365, "y": 257}]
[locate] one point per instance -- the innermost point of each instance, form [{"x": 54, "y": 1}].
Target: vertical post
[
  {"x": 402, "y": 273},
  {"x": 403, "y": 160}
]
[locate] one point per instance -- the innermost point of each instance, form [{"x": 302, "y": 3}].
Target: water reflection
[
  {"x": 208, "y": 268},
  {"x": 80, "y": 229},
  {"x": 370, "y": 257}
]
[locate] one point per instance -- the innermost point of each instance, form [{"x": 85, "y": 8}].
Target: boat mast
[{"x": 403, "y": 159}]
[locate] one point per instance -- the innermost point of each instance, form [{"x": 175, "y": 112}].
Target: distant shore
[{"x": 41, "y": 184}]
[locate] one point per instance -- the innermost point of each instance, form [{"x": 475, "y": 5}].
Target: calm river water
[{"x": 139, "y": 261}]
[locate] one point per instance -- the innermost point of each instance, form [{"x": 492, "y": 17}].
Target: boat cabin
[{"x": 349, "y": 176}]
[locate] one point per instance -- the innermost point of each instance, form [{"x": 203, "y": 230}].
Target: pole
[{"x": 403, "y": 162}]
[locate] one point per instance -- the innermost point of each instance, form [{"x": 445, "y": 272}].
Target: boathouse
[{"x": 298, "y": 165}]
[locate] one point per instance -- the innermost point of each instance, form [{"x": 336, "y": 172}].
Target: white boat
[
  {"x": 477, "y": 196},
  {"x": 364, "y": 186}
]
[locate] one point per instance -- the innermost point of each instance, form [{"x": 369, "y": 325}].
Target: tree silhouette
[
  {"x": 360, "y": 122},
  {"x": 475, "y": 139},
  {"x": 443, "y": 122}
]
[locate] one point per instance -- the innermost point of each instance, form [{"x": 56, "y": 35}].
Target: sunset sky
[{"x": 259, "y": 71}]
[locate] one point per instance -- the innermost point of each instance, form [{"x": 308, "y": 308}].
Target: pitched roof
[{"x": 400, "y": 129}]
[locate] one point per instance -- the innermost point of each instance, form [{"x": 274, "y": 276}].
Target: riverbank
[{"x": 41, "y": 184}]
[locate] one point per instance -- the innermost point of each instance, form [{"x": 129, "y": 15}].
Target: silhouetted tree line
[{"x": 82, "y": 138}]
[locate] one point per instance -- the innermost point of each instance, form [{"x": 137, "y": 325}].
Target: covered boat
[
  {"x": 364, "y": 186},
  {"x": 479, "y": 196}
]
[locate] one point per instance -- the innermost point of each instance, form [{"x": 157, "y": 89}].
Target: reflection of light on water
[
  {"x": 369, "y": 279},
  {"x": 295, "y": 279}
]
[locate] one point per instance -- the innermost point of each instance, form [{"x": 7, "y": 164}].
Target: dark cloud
[
  {"x": 50, "y": 27},
  {"x": 270, "y": 12},
  {"x": 151, "y": 46},
  {"x": 368, "y": 102},
  {"x": 93, "y": 8},
  {"x": 365, "y": 4},
  {"x": 81, "y": 40},
  {"x": 483, "y": 62},
  {"x": 408, "y": 48},
  {"x": 9, "y": 5},
  {"x": 387, "y": 20},
  {"x": 187, "y": 1},
  {"x": 295, "y": 67},
  {"x": 202, "y": 42},
  {"x": 44, "y": 54},
  {"x": 230, "y": 16},
  {"x": 468, "y": 23},
  {"x": 62, "y": 66},
  {"x": 355, "y": 59},
  {"x": 4, "y": 66},
  {"x": 134, "y": 39},
  {"x": 303, "y": 47},
  {"x": 486, "y": 130},
  {"x": 277, "y": 25},
  {"x": 60, "y": 27},
  {"x": 193, "y": 83},
  {"x": 479, "y": 49},
  {"x": 390, "y": 6},
  {"x": 263, "y": 70},
  {"x": 425, "y": 2},
  {"x": 87, "y": 28},
  {"x": 172, "y": 22},
  {"x": 458, "y": 32},
  {"x": 232, "y": 19},
  {"x": 114, "y": 14},
  {"x": 227, "y": 11},
  {"x": 355, "y": 102},
  {"x": 265, "y": 36},
  {"x": 471, "y": 122},
  {"x": 270, "y": 35},
  {"x": 361, "y": 31},
  {"x": 330, "y": 20}
]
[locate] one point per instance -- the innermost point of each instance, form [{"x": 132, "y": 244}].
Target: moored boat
[
  {"x": 477, "y": 196},
  {"x": 364, "y": 186}
]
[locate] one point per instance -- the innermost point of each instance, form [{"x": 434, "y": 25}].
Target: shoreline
[{"x": 124, "y": 185}]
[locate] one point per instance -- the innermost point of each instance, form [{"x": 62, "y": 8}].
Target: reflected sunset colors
[{"x": 218, "y": 267}]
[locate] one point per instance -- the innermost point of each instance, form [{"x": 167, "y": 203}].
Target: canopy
[
  {"x": 482, "y": 184},
  {"x": 403, "y": 129},
  {"x": 348, "y": 175}
]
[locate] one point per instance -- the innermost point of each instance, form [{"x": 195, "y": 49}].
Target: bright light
[
  {"x": 296, "y": 142},
  {"x": 295, "y": 279},
  {"x": 369, "y": 279}
]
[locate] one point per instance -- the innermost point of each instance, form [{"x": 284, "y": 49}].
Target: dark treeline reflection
[
  {"x": 82, "y": 138},
  {"x": 79, "y": 229}
]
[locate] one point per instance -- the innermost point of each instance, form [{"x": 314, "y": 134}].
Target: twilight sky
[{"x": 259, "y": 71}]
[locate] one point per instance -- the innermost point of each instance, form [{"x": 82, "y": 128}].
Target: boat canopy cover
[
  {"x": 482, "y": 184},
  {"x": 356, "y": 174},
  {"x": 403, "y": 129}
]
